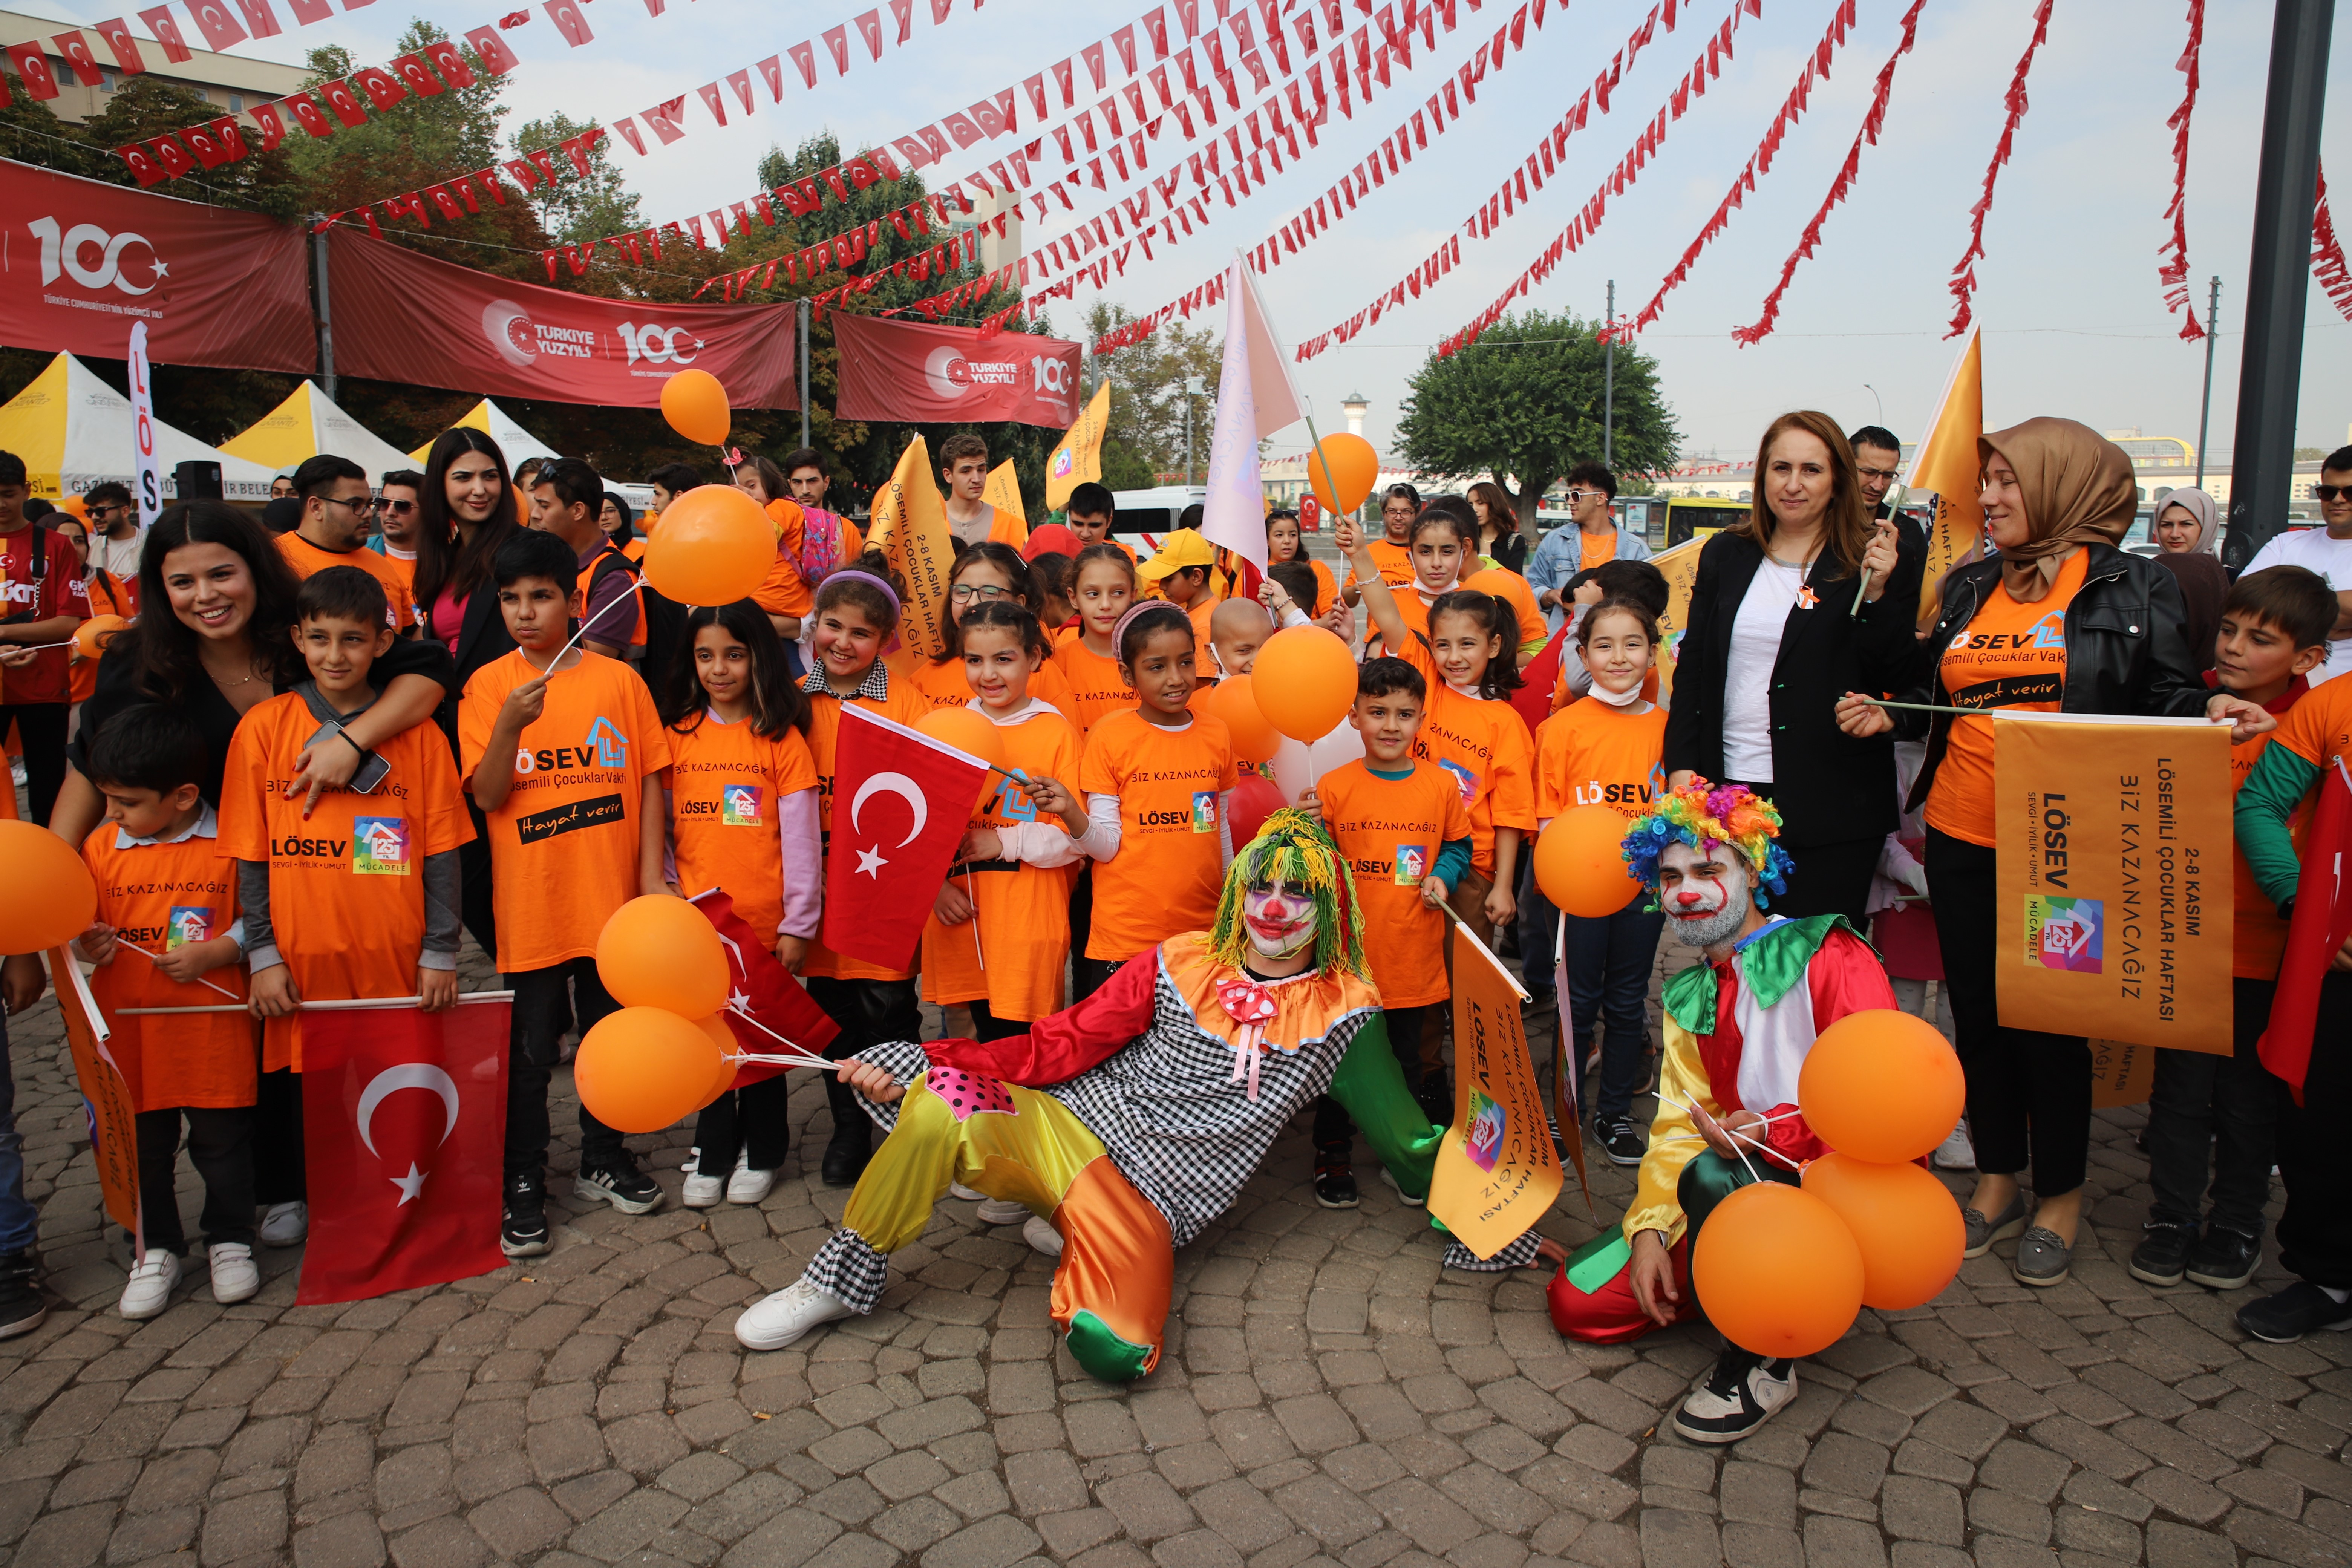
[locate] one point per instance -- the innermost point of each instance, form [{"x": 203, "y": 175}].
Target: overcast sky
[{"x": 2075, "y": 323}]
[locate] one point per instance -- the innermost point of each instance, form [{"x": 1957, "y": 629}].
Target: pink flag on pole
[{"x": 1255, "y": 397}]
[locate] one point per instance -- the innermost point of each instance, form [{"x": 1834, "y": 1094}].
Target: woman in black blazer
[{"x": 1774, "y": 638}]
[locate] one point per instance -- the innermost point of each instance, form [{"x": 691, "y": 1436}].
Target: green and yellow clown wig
[
  {"x": 1703, "y": 815},
  {"x": 1293, "y": 848}
]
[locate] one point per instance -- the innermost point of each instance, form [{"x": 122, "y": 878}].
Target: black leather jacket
[{"x": 2126, "y": 646}]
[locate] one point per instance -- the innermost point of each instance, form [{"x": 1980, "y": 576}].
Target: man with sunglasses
[
  {"x": 395, "y": 521},
  {"x": 114, "y": 537},
  {"x": 338, "y": 515},
  {"x": 1590, "y": 537},
  {"x": 2327, "y": 550}
]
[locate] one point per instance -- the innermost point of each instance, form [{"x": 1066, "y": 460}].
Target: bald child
[{"x": 1237, "y": 629}]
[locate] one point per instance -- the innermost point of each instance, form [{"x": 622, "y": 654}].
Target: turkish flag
[
  {"x": 2317, "y": 931},
  {"x": 765, "y": 989},
  {"x": 900, "y": 804},
  {"x": 403, "y": 1127}
]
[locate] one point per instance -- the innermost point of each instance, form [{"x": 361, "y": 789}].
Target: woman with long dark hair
[{"x": 1499, "y": 539}]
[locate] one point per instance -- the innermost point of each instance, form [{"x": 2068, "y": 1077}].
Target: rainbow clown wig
[
  {"x": 1703, "y": 815},
  {"x": 1293, "y": 848}
]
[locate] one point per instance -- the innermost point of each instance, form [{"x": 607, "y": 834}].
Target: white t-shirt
[
  {"x": 2332, "y": 559},
  {"x": 1747, "y": 682}
]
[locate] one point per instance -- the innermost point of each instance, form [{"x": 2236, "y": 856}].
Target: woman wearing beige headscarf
[
  {"x": 2060, "y": 621},
  {"x": 2187, "y": 531}
]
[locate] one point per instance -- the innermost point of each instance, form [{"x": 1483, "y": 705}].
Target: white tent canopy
[{"x": 74, "y": 431}]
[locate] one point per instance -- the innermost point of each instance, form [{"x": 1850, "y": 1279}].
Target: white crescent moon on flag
[
  {"x": 407, "y": 1075},
  {"x": 893, "y": 783}
]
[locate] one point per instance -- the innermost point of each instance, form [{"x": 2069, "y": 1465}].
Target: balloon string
[
  {"x": 36, "y": 647},
  {"x": 637, "y": 586}
]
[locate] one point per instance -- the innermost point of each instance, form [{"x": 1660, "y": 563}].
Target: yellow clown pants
[{"x": 1111, "y": 1293}]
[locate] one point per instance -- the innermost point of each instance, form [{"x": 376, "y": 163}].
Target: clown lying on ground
[
  {"x": 1737, "y": 1027},
  {"x": 1132, "y": 1119}
]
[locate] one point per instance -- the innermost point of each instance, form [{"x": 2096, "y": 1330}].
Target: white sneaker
[
  {"x": 1001, "y": 1211},
  {"x": 747, "y": 1186},
  {"x": 1410, "y": 1200},
  {"x": 702, "y": 1192},
  {"x": 957, "y": 1190},
  {"x": 149, "y": 1289},
  {"x": 1956, "y": 1152},
  {"x": 1042, "y": 1236},
  {"x": 781, "y": 1320},
  {"x": 1744, "y": 1392},
  {"x": 693, "y": 1160},
  {"x": 285, "y": 1225},
  {"x": 235, "y": 1277}
]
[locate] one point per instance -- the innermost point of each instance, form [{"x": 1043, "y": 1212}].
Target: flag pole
[{"x": 351, "y": 1005}]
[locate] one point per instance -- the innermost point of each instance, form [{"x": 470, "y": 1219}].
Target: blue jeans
[
  {"x": 1608, "y": 960},
  {"x": 20, "y": 1223}
]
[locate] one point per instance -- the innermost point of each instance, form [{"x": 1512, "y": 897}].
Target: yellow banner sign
[
  {"x": 1946, "y": 463},
  {"x": 1077, "y": 459},
  {"x": 114, "y": 1132},
  {"x": 1497, "y": 1172},
  {"x": 1680, "y": 565},
  {"x": 2113, "y": 878},
  {"x": 910, "y": 527}
]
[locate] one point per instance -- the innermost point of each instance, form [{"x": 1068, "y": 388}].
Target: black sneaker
[
  {"x": 22, "y": 1305},
  {"x": 1334, "y": 1181},
  {"x": 2224, "y": 1260},
  {"x": 618, "y": 1181},
  {"x": 845, "y": 1155},
  {"x": 1738, "y": 1397},
  {"x": 523, "y": 1231},
  {"x": 2162, "y": 1256},
  {"x": 2297, "y": 1310},
  {"x": 1621, "y": 1140}
]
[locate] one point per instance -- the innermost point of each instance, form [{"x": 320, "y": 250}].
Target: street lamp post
[
  {"x": 1193, "y": 387},
  {"x": 1880, "y": 401},
  {"x": 2205, "y": 409}
]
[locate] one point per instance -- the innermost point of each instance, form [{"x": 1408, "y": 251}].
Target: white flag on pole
[{"x": 1255, "y": 397}]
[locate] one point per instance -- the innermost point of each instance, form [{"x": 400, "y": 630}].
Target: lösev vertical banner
[
  {"x": 404, "y": 317},
  {"x": 2113, "y": 878},
  {"x": 148, "y": 472}
]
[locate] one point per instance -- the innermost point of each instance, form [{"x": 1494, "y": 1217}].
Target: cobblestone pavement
[{"x": 1328, "y": 1396}]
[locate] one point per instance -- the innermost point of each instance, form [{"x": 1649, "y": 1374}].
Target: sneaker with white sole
[
  {"x": 784, "y": 1318},
  {"x": 285, "y": 1225},
  {"x": 1042, "y": 1236},
  {"x": 1956, "y": 1152},
  {"x": 149, "y": 1289},
  {"x": 618, "y": 1181},
  {"x": 968, "y": 1194},
  {"x": 1389, "y": 1176},
  {"x": 1001, "y": 1211},
  {"x": 235, "y": 1277},
  {"x": 1743, "y": 1392},
  {"x": 701, "y": 1192},
  {"x": 747, "y": 1186}
]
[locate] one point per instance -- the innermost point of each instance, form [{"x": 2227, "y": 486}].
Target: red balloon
[{"x": 1255, "y": 800}]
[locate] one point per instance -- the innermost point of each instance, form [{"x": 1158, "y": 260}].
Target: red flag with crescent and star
[
  {"x": 404, "y": 1126},
  {"x": 763, "y": 1000},
  {"x": 901, "y": 802}
]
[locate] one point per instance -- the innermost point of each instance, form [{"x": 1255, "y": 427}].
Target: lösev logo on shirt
[
  {"x": 380, "y": 846},
  {"x": 1412, "y": 861},
  {"x": 603, "y": 748},
  {"x": 571, "y": 818},
  {"x": 188, "y": 924}
]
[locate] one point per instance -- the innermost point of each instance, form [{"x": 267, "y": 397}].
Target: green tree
[
  {"x": 573, "y": 209},
  {"x": 145, "y": 107},
  {"x": 1526, "y": 401},
  {"x": 1145, "y": 442}
]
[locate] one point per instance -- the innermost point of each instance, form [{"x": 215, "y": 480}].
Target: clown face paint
[
  {"x": 1706, "y": 895},
  {"x": 1280, "y": 919}
]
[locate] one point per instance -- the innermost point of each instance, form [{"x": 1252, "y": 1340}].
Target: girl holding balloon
[
  {"x": 999, "y": 936},
  {"x": 988, "y": 574},
  {"x": 856, "y": 616},
  {"x": 742, "y": 798}
]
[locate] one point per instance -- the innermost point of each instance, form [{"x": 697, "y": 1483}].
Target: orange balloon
[
  {"x": 1232, "y": 701},
  {"x": 1882, "y": 1086},
  {"x": 1304, "y": 682},
  {"x": 1778, "y": 1272},
  {"x": 723, "y": 1038},
  {"x": 57, "y": 898},
  {"x": 1343, "y": 468},
  {"x": 659, "y": 951},
  {"x": 1580, "y": 864},
  {"x": 1908, "y": 1227},
  {"x": 715, "y": 546},
  {"x": 696, "y": 406},
  {"x": 642, "y": 1068},
  {"x": 90, "y": 638}
]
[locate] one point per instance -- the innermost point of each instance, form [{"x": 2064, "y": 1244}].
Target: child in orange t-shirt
[
  {"x": 999, "y": 935},
  {"x": 1405, "y": 834},
  {"x": 1606, "y": 749},
  {"x": 743, "y": 799},
  {"x": 357, "y": 898},
  {"x": 164, "y": 892},
  {"x": 855, "y": 617},
  {"x": 564, "y": 754},
  {"x": 1159, "y": 782},
  {"x": 1102, "y": 587},
  {"x": 988, "y": 572}
]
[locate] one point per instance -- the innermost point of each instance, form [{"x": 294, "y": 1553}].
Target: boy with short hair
[
  {"x": 1180, "y": 572},
  {"x": 2275, "y": 627},
  {"x": 964, "y": 466},
  {"x": 1088, "y": 513},
  {"x": 164, "y": 891},
  {"x": 1405, "y": 834},
  {"x": 567, "y": 501},
  {"x": 564, "y": 756},
  {"x": 359, "y": 897},
  {"x": 338, "y": 515}
]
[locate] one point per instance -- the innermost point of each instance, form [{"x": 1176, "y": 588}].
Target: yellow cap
[{"x": 1184, "y": 547}]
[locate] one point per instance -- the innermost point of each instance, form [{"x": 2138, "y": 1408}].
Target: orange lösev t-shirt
[
  {"x": 563, "y": 847},
  {"x": 727, "y": 785},
  {"x": 1097, "y": 688},
  {"x": 2009, "y": 655},
  {"x": 1590, "y": 753},
  {"x": 1169, "y": 867},
  {"x": 1389, "y": 831},
  {"x": 157, "y": 897},
  {"x": 1488, "y": 750},
  {"x": 347, "y": 882},
  {"x": 904, "y": 704},
  {"x": 944, "y": 685},
  {"x": 1013, "y": 953},
  {"x": 307, "y": 560}
]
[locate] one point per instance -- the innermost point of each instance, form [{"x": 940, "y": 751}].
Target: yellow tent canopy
[
  {"x": 307, "y": 423},
  {"x": 495, "y": 422},
  {"x": 74, "y": 431}
]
